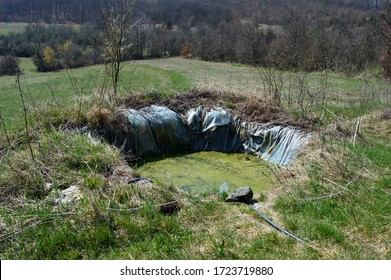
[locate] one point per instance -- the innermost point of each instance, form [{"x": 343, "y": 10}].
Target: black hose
[{"x": 276, "y": 226}]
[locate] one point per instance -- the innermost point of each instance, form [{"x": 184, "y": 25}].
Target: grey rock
[
  {"x": 243, "y": 195},
  {"x": 69, "y": 195},
  {"x": 84, "y": 130},
  {"x": 138, "y": 180}
]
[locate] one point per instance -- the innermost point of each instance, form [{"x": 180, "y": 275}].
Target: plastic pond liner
[
  {"x": 217, "y": 147},
  {"x": 155, "y": 129},
  {"x": 221, "y": 152}
]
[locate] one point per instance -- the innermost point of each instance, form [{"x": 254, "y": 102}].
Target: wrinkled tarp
[
  {"x": 158, "y": 129},
  {"x": 216, "y": 130},
  {"x": 142, "y": 140},
  {"x": 155, "y": 130},
  {"x": 278, "y": 144},
  {"x": 167, "y": 127}
]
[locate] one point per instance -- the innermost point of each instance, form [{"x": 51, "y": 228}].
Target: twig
[
  {"x": 25, "y": 116},
  {"x": 346, "y": 189},
  {"x": 14, "y": 214},
  {"x": 29, "y": 95},
  {"x": 278, "y": 177},
  {"x": 356, "y": 132},
  {"x": 2, "y": 237},
  {"x": 324, "y": 196},
  {"x": 53, "y": 89},
  {"x": 77, "y": 92},
  {"x": 334, "y": 194},
  {"x": 331, "y": 113},
  {"x": 5, "y": 130}
]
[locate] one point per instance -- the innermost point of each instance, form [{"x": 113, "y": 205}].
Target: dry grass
[
  {"x": 250, "y": 108},
  {"x": 352, "y": 224},
  {"x": 98, "y": 117}
]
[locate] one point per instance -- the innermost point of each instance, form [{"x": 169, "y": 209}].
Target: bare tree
[{"x": 116, "y": 21}]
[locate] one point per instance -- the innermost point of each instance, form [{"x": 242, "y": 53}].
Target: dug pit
[{"x": 202, "y": 147}]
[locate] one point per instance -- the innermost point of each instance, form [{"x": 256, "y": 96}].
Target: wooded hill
[
  {"x": 181, "y": 12},
  {"x": 310, "y": 35}
]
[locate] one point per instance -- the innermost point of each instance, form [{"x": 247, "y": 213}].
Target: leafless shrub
[
  {"x": 307, "y": 99},
  {"x": 273, "y": 83},
  {"x": 116, "y": 19}
]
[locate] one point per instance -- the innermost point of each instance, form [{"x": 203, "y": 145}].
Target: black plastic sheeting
[
  {"x": 158, "y": 129},
  {"x": 215, "y": 130},
  {"x": 277, "y": 144}
]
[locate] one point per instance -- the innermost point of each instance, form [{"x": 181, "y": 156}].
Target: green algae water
[{"x": 204, "y": 172}]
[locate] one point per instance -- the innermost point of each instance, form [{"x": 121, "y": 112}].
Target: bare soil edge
[{"x": 248, "y": 108}]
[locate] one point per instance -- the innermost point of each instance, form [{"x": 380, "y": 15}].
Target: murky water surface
[{"x": 204, "y": 172}]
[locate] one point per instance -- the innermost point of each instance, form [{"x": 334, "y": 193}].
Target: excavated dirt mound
[{"x": 249, "y": 108}]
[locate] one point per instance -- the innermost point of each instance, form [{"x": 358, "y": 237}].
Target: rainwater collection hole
[{"x": 204, "y": 172}]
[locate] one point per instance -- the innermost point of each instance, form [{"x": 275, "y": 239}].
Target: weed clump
[
  {"x": 62, "y": 157},
  {"x": 99, "y": 117}
]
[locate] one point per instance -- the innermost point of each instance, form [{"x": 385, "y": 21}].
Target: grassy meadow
[
  {"x": 65, "y": 88},
  {"x": 9, "y": 27},
  {"x": 335, "y": 196},
  {"x": 346, "y": 96}
]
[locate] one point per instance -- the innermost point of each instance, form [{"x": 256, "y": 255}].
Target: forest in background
[
  {"x": 181, "y": 12},
  {"x": 311, "y": 35},
  {"x": 66, "y": 194}
]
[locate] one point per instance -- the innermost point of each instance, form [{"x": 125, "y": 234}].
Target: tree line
[
  {"x": 183, "y": 12},
  {"x": 309, "y": 35}
]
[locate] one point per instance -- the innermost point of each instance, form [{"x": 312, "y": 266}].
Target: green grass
[
  {"x": 378, "y": 153},
  {"x": 56, "y": 87},
  {"x": 351, "y": 111},
  {"x": 143, "y": 235},
  {"x": 33, "y": 225},
  {"x": 149, "y": 79},
  {"x": 349, "y": 96},
  {"x": 17, "y": 27},
  {"x": 167, "y": 76},
  {"x": 341, "y": 223},
  {"x": 246, "y": 79},
  {"x": 10, "y": 27},
  {"x": 69, "y": 155},
  {"x": 360, "y": 211}
]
